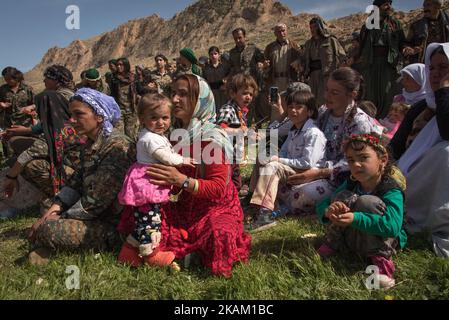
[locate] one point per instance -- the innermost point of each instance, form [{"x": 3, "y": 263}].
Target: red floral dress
[{"x": 209, "y": 223}]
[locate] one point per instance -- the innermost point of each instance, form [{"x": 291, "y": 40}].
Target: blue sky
[{"x": 28, "y": 28}]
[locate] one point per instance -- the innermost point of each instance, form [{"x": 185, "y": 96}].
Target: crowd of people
[{"x": 363, "y": 136}]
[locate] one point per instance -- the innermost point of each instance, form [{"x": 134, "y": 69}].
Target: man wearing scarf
[
  {"x": 323, "y": 54},
  {"x": 433, "y": 27},
  {"x": 380, "y": 50}
]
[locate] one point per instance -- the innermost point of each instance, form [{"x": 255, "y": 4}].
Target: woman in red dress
[{"x": 207, "y": 218}]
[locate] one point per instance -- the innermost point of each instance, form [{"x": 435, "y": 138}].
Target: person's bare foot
[{"x": 39, "y": 257}]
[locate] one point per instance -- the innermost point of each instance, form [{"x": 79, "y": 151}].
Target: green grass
[{"x": 283, "y": 265}]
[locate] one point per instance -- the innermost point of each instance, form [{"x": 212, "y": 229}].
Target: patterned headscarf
[
  {"x": 202, "y": 126},
  {"x": 103, "y": 105},
  {"x": 60, "y": 74}
]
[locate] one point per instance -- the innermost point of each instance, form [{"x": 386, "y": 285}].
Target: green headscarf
[{"x": 190, "y": 55}]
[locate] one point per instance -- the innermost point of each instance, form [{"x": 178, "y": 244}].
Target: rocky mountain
[{"x": 199, "y": 26}]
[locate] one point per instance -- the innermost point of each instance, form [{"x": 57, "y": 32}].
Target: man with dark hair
[
  {"x": 243, "y": 55},
  {"x": 243, "y": 58},
  {"x": 433, "y": 27},
  {"x": 380, "y": 51}
]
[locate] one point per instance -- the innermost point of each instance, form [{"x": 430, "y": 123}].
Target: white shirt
[
  {"x": 154, "y": 148},
  {"x": 304, "y": 148}
]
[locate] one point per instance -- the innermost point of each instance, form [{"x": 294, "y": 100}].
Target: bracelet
[
  {"x": 196, "y": 187},
  {"x": 11, "y": 178}
]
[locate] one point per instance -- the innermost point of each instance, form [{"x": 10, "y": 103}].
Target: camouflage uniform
[
  {"x": 243, "y": 60},
  {"x": 128, "y": 123},
  {"x": 164, "y": 82},
  {"x": 281, "y": 56},
  {"x": 36, "y": 165},
  {"x": 380, "y": 53},
  {"x": 425, "y": 31},
  {"x": 13, "y": 116},
  {"x": 321, "y": 58},
  {"x": 90, "y": 211}
]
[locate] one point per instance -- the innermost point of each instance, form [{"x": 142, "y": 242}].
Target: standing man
[
  {"x": 243, "y": 55},
  {"x": 433, "y": 27},
  {"x": 323, "y": 55},
  {"x": 246, "y": 58},
  {"x": 281, "y": 55},
  {"x": 380, "y": 51}
]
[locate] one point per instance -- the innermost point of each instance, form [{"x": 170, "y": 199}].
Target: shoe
[
  {"x": 281, "y": 212},
  {"x": 130, "y": 255},
  {"x": 8, "y": 213},
  {"x": 385, "y": 282},
  {"x": 160, "y": 258},
  {"x": 39, "y": 257},
  {"x": 263, "y": 221}
]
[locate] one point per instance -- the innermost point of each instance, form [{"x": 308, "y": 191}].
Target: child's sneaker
[
  {"x": 385, "y": 282},
  {"x": 386, "y": 271},
  {"x": 263, "y": 221},
  {"x": 325, "y": 251},
  {"x": 281, "y": 212}
]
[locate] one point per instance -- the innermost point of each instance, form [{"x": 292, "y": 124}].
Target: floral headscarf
[{"x": 202, "y": 125}]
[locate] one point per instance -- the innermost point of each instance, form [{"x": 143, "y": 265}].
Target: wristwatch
[{"x": 186, "y": 184}]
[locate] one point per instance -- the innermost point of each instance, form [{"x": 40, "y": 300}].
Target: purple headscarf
[{"x": 103, "y": 105}]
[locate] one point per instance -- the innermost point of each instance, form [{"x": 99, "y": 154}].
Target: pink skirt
[{"x": 137, "y": 189}]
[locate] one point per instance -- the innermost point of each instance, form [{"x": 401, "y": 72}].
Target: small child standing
[
  {"x": 303, "y": 150},
  {"x": 366, "y": 213},
  {"x": 233, "y": 117},
  {"x": 138, "y": 193},
  {"x": 394, "y": 119}
]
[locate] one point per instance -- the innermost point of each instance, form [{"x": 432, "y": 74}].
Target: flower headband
[{"x": 369, "y": 139}]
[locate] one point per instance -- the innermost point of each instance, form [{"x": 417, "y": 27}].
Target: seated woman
[
  {"x": 207, "y": 219},
  {"x": 84, "y": 213},
  {"x": 16, "y": 108},
  {"x": 50, "y": 159},
  {"x": 338, "y": 120},
  {"x": 425, "y": 163}
]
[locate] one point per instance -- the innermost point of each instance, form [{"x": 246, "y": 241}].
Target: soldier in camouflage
[
  {"x": 433, "y": 27},
  {"x": 124, "y": 91},
  {"x": 85, "y": 212},
  {"x": 16, "y": 108}
]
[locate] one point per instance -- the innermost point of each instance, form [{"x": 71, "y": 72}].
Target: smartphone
[{"x": 274, "y": 92}]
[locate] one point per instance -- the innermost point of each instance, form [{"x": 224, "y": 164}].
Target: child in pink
[
  {"x": 138, "y": 193},
  {"x": 394, "y": 119}
]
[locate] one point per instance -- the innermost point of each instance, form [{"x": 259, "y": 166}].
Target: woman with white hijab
[
  {"x": 413, "y": 79},
  {"x": 426, "y": 162}
]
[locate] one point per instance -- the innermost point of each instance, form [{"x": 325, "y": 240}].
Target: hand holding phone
[{"x": 274, "y": 92}]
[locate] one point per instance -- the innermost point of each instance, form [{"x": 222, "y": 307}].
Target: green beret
[
  {"x": 189, "y": 55},
  {"x": 92, "y": 75}
]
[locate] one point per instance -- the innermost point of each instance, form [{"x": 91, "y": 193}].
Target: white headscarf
[
  {"x": 430, "y": 50},
  {"x": 417, "y": 72},
  {"x": 430, "y": 135}
]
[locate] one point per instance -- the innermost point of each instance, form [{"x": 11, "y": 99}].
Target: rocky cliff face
[{"x": 199, "y": 26}]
